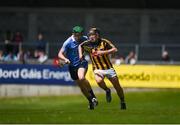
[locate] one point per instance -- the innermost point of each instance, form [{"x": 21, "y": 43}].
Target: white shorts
[{"x": 109, "y": 73}]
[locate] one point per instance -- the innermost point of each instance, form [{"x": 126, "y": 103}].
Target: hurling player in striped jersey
[{"x": 98, "y": 49}]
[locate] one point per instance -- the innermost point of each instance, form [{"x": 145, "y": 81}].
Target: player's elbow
[
  {"x": 60, "y": 54},
  {"x": 115, "y": 49},
  {"x": 80, "y": 48},
  {"x": 80, "y": 51}
]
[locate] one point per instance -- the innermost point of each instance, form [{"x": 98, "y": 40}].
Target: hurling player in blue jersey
[{"x": 77, "y": 67}]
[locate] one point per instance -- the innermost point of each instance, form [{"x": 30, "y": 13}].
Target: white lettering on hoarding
[
  {"x": 9, "y": 74},
  {"x": 47, "y": 74},
  {"x": 35, "y": 74},
  {"x": 30, "y": 74}
]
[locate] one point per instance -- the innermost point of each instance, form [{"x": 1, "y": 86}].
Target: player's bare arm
[
  {"x": 109, "y": 51},
  {"x": 61, "y": 55},
  {"x": 80, "y": 51}
]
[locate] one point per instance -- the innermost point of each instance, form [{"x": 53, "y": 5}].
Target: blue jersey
[{"x": 70, "y": 48}]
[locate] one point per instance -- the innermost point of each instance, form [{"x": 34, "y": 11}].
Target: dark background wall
[
  {"x": 133, "y": 4},
  {"x": 129, "y": 21},
  {"x": 120, "y": 25}
]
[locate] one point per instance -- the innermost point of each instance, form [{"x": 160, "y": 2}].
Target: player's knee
[
  {"x": 81, "y": 77},
  {"x": 99, "y": 80}
]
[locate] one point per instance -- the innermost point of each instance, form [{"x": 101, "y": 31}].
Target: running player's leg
[
  {"x": 85, "y": 92},
  {"x": 83, "y": 67},
  {"x": 100, "y": 81},
  {"x": 74, "y": 75},
  {"x": 114, "y": 80},
  {"x": 81, "y": 74},
  {"x": 83, "y": 89}
]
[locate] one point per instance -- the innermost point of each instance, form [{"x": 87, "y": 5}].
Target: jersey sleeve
[
  {"x": 85, "y": 46},
  {"x": 65, "y": 46},
  {"x": 108, "y": 44}
]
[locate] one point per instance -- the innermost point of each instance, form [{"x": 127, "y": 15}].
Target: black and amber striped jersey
[{"x": 102, "y": 61}]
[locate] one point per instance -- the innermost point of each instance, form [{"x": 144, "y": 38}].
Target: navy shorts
[{"x": 73, "y": 70}]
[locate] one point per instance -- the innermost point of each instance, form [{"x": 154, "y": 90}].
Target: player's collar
[
  {"x": 97, "y": 42},
  {"x": 73, "y": 38}
]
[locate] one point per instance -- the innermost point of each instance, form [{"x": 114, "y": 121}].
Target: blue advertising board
[{"x": 34, "y": 74}]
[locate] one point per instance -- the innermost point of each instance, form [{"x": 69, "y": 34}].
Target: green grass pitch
[{"x": 142, "y": 107}]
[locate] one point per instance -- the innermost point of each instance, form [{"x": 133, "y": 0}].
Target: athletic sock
[
  {"x": 122, "y": 100},
  {"x": 89, "y": 99},
  {"x": 107, "y": 90},
  {"x": 92, "y": 93}
]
